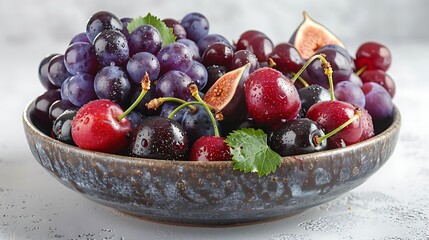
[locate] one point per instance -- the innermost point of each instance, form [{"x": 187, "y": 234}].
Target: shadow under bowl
[{"x": 209, "y": 193}]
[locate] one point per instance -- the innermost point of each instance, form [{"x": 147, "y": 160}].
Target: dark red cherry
[
  {"x": 271, "y": 97},
  {"x": 332, "y": 114},
  {"x": 373, "y": 55},
  {"x": 210, "y": 148}
]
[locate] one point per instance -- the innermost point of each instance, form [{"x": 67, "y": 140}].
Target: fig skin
[
  {"x": 226, "y": 96},
  {"x": 311, "y": 35}
]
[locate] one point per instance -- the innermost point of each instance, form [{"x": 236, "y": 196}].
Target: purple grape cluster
[{"x": 107, "y": 61}]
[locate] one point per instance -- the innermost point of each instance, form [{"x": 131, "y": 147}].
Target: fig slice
[
  {"x": 310, "y": 36},
  {"x": 226, "y": 95}
]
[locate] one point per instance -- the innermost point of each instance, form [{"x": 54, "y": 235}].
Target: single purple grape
[
  {"x": 112, "y": 83},
  {"x": 111, "y": 47},
  {"x": 80, "y": 89},
  {"x": 41, "y": 109},
  {"x": 58, "y": 107},
  {"x": 145, "y": 38},
  {"x": 192, "y": 47},
  {"x": 348, "y": 92},
  {"x": 80, "y": 58},
  {"x": 174, "y": 84},
  {"x": 198, "y": 73},
  {"x": 175, "y": 56},
  {"x": 101, "y": 21},
  {"x": 196, "y": 26},
  {"x": 80, "y": 37},
  {"x": 57, "y": 71},
  {"x": 43, "y": 72},
  {"x": 141, "y": 63},
  {"x": 378, "y": 101}
]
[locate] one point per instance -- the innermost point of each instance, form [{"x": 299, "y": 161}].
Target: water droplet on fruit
[
  {"x": 86, "y": 120},
  {"x": 145, "y": 142}
]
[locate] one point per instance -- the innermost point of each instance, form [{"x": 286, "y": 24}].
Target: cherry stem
[
  {"x": 156, "y": 102},
  {"x": 302, "y": 80},
  {"x": 194, "y": 91},
  {"x": 360, "y": 71},
  {"x": 145, "y": 83},
  {"x": 326, "y": 66},
  {"x": 356, "y": 115},
  {"x": 180, "y": 107}
]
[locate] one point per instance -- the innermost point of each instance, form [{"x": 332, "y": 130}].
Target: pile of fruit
[{"x": 169, "y": 89}]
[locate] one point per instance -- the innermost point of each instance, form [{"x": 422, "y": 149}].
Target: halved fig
[
  {"x": 311, "y": 35},
  {"x": 226, "y": 95}
]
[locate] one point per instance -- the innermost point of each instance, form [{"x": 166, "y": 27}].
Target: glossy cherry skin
[
  {"x": 373, "y": 55},
  {"x": 159, "y": 138},
  {"x": 210, "y": 148},
  {"x": 311, "y": 95},
  {"x": 96, "y": 127},
  {"x": 297, "y": 137},
  {"x": 330, "y": 115},
  {"x": 367, "y": 124},
  {"x": 271, "y": 97}
]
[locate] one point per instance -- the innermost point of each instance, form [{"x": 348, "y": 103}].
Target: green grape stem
[
  {"x": 194, "y": 90},
  {"x": 157, "y": 102},
  {"x": 180, "y": 107},
  {"x": 145, "y": 83}
]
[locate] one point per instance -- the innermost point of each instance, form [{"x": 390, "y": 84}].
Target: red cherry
[
  {"x": 332, "y": 114},
  {"x": 367, "y": 124},
  {"x": 271, "y": 97},
  {"x": 373, "y": 55},
  {"x": 96, "y": 127},
  {"x": 210, "y": 148}
]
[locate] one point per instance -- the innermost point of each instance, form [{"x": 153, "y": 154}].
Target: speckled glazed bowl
[{"x": 209, "y": 193}]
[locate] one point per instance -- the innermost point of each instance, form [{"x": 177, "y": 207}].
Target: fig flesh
[
  {"x": 311, "y": 35},
  {"x": 226, "y": 95}
]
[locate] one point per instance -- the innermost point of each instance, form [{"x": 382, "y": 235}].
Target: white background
[{"x": 392, "y": 204}]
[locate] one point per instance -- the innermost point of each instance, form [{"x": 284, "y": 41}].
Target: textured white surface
[{"x": 392, "y": 204}]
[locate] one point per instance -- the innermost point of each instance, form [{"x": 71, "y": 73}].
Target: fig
[
  {"x": 226, "y": 96},
  {"x": 311, "y": 35}
]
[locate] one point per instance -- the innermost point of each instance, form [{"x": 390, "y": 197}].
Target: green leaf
[
  {"x": 166, "y": 32},
  {"x": 251, "y": 153}
]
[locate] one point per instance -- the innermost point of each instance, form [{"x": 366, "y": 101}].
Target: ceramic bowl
[{"x": 209, "y": 193}]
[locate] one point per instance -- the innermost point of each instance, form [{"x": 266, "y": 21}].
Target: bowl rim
[{"x": 30, "y": 127}]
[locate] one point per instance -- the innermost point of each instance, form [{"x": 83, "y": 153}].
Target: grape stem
[
  {"x": 156, "y": 102},
  {"x": 145, "y": 83},
  {"x": 180, "y": 107},
  {"x": 327, "y": 68},
  {"x": 302, "y": 80},
  {"x": 194, "y": 91},
  {"x": 318, "y": 140}
]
